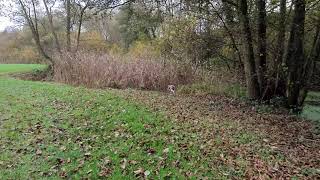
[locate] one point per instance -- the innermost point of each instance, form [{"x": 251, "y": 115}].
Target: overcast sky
[{"x": 4, "y": 22}]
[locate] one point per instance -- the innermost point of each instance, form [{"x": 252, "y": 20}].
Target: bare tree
[
  {"x": 262, "y": 44},
  {"x": 32, "y": 22},
  {"x": 83, "y": 6},
  {"x": 95, "y": 6},
  {"x": 68, "y": 25},
  {"x": 249, "y": 62},
  {"x": 50, "y": 19},
  {"x": 295, "y": 59},
  {"x": 280, "y": 45}
]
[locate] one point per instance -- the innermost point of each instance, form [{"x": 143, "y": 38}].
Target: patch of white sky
[
  {"x": 4, "y": 23},
  {"x": 5, "y": 20}
]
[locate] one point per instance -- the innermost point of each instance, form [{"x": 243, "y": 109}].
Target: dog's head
[{"x": 172, "y": 89}]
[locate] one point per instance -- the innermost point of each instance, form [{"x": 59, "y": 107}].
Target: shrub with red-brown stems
[{"x": 103, "y": 70}]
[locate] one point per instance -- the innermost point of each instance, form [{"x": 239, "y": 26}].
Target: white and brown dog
[{"x": 172, "y": 89}]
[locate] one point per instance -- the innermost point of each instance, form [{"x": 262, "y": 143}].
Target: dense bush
[
  {"x": 94, "y": 42},
  {"x": 25, "y": 55},
  {"x": 93, "y": 70},
  {"x": 14, "y": 49},
  {"x": 183, "y": 40}
]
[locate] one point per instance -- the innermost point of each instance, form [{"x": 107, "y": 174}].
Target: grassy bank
[
  {"x": 19, "y": 68},
  {"x": 54, "y": 131},
  {"x": 58, "y": 131}
]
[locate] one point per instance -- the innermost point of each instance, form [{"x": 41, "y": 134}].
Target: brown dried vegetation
[{"x": 100, "y": 71}]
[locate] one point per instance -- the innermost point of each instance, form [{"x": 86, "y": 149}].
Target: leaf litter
[
  {"x": 254, "y": 144},
  {"x": 193, "y": 137}
]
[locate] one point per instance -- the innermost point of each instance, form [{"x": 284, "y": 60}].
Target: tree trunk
[
  {"x": 295, "y": 59},
  {"x": 228, "y": 24},
  {"x": 315, "y": 51},
  {"x": 310, "y": 64},
  {"x": 228, "y": 12},
  {"x": 68, "y": 6},
  {"x": 277, "y": 64},
  {"x": 249, "y": 62},
  {"x": 262, "y": 43},
  {"x": 282, "y": 33},
  {"x": 79, "y": 27},
  {"x": 50, "y": 18},
  {"x": 35, "y": 16}
]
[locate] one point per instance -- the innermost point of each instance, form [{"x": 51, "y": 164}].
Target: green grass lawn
[
  {"x": 57, "y": 131},
  {"x": 54, "y": 131},
  {"x": 14, "y": 68}
]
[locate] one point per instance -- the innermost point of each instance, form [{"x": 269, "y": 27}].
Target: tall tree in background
[
  {"x": 82, "y": 7},
  {"x": 95, "y": 7},
  {"x": 277, "y": 84},
  {"x": 262, "y": 45},
  {"x": 27, "y": 12},
  {"x": 310, "y": 63},
  {"x": 68, "y": 24},
  {"x": 229, "y": 26},
  {"x": 51, "y": 25},
  {"x": 249, "y": 62},
  {"x": 295, "y": 59}
]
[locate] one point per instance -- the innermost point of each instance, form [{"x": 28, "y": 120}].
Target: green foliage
[
  {"x": 182, "y": 41},
  {"x": 137, "y": 23}
]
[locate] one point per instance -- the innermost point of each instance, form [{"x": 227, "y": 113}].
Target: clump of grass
[{"x": 99, "y": 71}]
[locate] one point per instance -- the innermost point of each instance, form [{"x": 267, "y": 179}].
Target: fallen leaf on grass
[
  {"x": 105, "y": 172},
  {"x": 38, "y": 152},
  {"x": 166, "y": 150},
  {"x": 133, "y": 162},
  {"x": 147, "y": 173},
  {"x": 63, "y": 174},
  {"x": 123, "y": 163},
  {"x": 87, "y": 155},
  {"x": 63, "y": 148},
  {"x": 107, "y": 161},
  {"x": 138, "y": 172},
  {"x": 60, "y": 161},
  {"x": 151, "y": 151}
]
